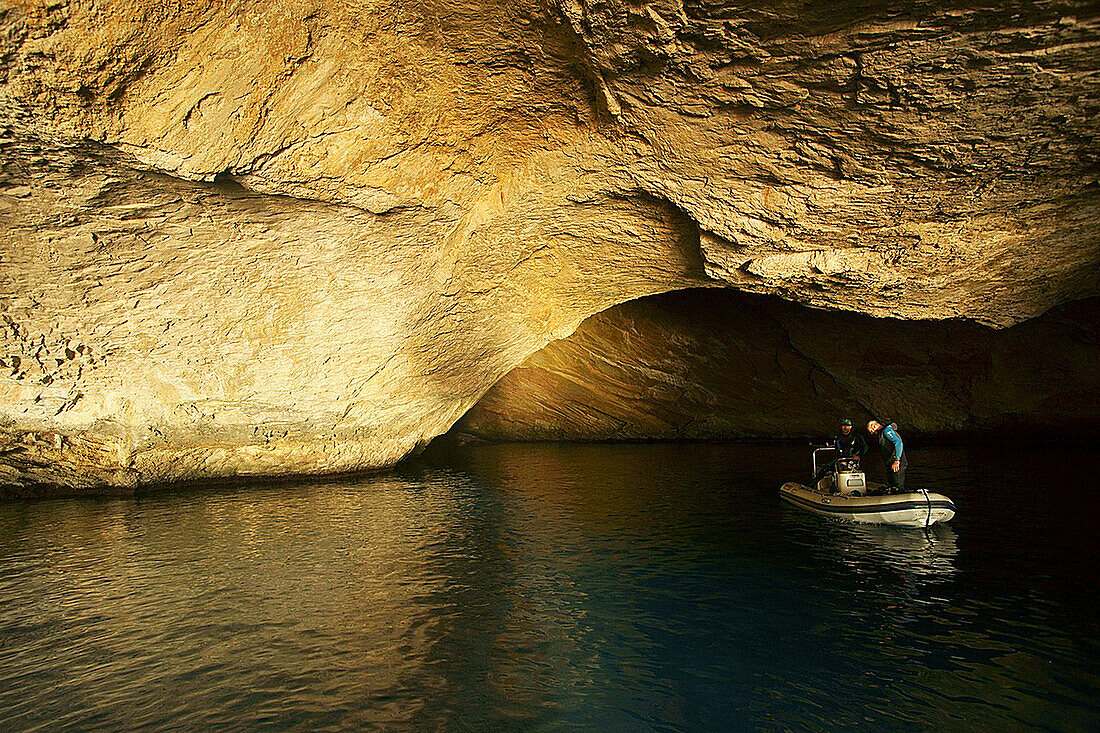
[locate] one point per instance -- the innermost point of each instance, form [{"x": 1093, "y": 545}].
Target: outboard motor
[{"x": 849, "y": 480}]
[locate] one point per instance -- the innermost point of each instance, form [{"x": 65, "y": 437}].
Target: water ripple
[{"x": 551, "y": 587}]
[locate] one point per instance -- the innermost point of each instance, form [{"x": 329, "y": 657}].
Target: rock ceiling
[{"x": 283, "y": 237}]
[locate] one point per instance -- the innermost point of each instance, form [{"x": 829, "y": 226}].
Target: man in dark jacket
[
  {"x": 893, "y": 454},
  {"x": 848, "y": 443}
]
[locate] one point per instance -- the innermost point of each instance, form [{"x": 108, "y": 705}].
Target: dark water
[{"x": 558, "y": 587}]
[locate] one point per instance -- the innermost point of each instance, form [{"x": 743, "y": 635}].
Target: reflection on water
[
  {"x": 556, "y": 586},
  {"x": 866, "y": 548}
]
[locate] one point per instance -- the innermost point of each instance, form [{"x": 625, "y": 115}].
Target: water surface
[{"x": 628, "y": 587}]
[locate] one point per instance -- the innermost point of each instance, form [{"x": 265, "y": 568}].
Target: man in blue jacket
[{"x": 893, "y": 454}]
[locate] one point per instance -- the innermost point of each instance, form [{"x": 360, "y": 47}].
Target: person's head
[
  {"x": 845, "y": 426},
  {"x": 874, "y": 426}
]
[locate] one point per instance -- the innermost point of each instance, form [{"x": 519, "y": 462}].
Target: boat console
[{"x": 845, "y": 478}]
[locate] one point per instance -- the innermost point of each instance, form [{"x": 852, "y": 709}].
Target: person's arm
[
  {"x": 894, "y": 438},
  {"x": 899, "y": 447}
]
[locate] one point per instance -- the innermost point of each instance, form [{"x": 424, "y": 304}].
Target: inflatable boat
[{"x": 844, "y": 493}]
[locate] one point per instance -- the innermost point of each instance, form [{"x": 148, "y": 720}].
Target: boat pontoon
[{"x": 844, "y": 493}]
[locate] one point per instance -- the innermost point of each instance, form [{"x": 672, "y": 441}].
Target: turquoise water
[{"x": 629, "y": 587}]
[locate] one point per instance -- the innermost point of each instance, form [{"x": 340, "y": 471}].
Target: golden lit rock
[{"x": 305, "y": 237}]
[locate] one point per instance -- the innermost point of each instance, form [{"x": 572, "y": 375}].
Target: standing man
[
  {"x": 848, "y": 443},
  {"x": 893, "y": 454}
]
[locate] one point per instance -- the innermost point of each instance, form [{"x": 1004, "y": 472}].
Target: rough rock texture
[
  {"x": 302, "y": 236},
  {"x": 720, "y": 364}
]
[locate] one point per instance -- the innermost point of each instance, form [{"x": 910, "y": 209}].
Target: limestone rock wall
[
  {"x": 720, "y": 364},
  {"x": 916, "y": 161},
  {"x": 302, "y": 236}
]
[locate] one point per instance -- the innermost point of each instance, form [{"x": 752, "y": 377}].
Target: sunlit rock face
[
  {"x": 720, "y": 364},
  {"x": 305, "y": 237}
]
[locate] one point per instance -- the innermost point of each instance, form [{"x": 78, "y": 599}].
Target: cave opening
[{"x": 714, "y": 364}]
